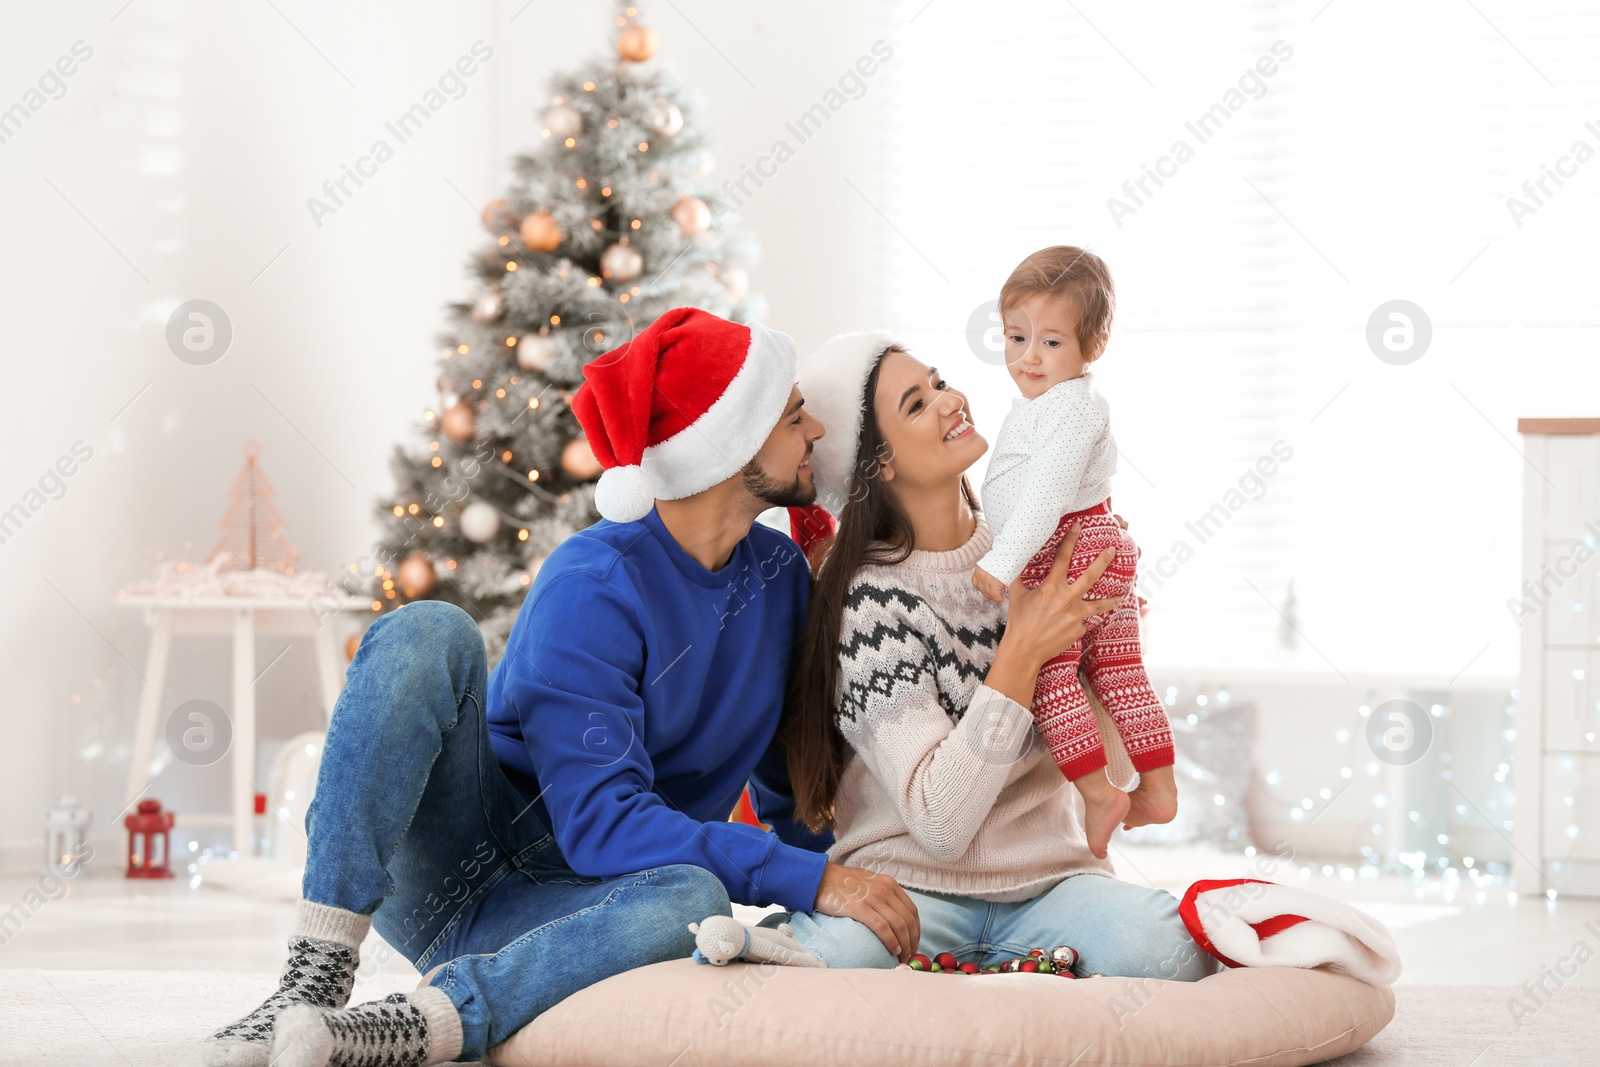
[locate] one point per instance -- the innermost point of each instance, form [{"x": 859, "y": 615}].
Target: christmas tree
[
  {"x": 608, "y": 224},
  {"x": 252, "y": 529}
]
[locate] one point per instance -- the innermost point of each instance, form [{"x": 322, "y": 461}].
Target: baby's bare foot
[
  {"x": 1104, "y": 806},
  {"x": 1154, "y": 801}
]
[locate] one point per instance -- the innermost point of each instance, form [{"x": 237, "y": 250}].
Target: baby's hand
[{"x": 988, "y": 584}]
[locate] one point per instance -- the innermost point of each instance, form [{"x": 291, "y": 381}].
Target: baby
[{"x": 1052, "y": 466}]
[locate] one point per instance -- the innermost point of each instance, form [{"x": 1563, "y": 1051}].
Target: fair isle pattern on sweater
[
  {"x": 947, "y": 785},
  {"x": 890, "y": 654}
]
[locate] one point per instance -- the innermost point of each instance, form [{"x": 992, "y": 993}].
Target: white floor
[
  {"x": 90, "y": 961},
  {"x": 239, "y": 915}
]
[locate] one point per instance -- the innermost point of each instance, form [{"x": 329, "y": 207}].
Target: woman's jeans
[
  {"x": 1118, "y": 929},
  {"x": 415, "y": 824}
]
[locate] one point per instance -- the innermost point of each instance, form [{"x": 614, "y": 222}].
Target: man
[{"x": 526, "y": 834}]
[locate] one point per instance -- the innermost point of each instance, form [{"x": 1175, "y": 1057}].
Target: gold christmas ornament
[
  {"x": 498, "y": 217},
  {"x": 351, "y": 643},
  {"x": 692, "y": 216},
  {"x": 563, "y": 121},
  {"x": 416, "y": 577},
  {"x": 459, "y": 422},
  {"x": 666, "y": 119},
  {"x": 636, "y": 43},
  {"x": 534, "y": 352},
  {"x": 540, "y": 232},
  {"x": 577, "y": 459},
  {"x": 621, "y": 263}
]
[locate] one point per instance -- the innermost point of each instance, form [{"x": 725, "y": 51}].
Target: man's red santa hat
[{"x": 684, "y": 405}]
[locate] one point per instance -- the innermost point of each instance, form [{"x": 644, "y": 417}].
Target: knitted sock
[
  {"x": 324, "y": 951},
  {"x": 413, "y": 1029},
  {"x": 722, "y": 938}
]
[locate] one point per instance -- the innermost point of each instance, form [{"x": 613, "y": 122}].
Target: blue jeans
[
  {"x": 415, "y": 824},
  {"x": 1117, "y": 927}
]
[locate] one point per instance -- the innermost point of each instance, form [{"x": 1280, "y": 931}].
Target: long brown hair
[{"x": 873, "y": 528}]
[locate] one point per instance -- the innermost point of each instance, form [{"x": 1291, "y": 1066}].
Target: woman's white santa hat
[
  {"x": 684, "y": 405},
  {"x": 833, "y": 380}
]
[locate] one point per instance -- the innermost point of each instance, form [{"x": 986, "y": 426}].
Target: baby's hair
[{"x": 1075, "y": 273}]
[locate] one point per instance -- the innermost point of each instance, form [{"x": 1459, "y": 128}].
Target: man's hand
[
  {"x": 988, "y": 584},
  {"x": 874, "y": 900}
]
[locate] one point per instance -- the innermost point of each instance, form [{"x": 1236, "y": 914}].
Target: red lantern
[{"x": 145, "y": 858}]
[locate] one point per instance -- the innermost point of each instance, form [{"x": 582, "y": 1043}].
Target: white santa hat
[
  {"x": 1245, "y": 922},
  {"x": 684, "y": 405},
  {"x": 833, "y": 381}
]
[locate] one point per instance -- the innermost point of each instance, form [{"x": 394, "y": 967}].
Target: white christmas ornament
[
  {"x": 479, "y": 521},
  {"x": 667, "y": 119},
  {"x": 534, "y": 352},
  {"x": 621, "y": 263},
  {"x": 488, "y": 306},
  {"x": 737, "y": 282},
  {"x": 563, "y": 121}
]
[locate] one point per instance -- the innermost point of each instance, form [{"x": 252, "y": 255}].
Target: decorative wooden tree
[{"x": 252, "y": 528}]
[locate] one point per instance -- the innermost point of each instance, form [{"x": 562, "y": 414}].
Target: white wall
[{"x": 177, "y": 165}]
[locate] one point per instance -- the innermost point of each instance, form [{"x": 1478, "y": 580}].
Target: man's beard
[{"x": 795, "y": 494}]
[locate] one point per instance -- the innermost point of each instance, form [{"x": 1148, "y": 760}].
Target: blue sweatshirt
[{"x": 640, "y": 692}]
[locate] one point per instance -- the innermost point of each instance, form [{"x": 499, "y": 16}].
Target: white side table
[
  {"x": 245, "y": 618},
  {"x": 1558, "y": 710}
]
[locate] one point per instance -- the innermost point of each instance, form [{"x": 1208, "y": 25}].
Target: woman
[{"x": 907, "y": 720}]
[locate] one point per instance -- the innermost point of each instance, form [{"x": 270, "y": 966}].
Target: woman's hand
[
  {"x": 1044, "y": 621},
  {"x": 876, "y": 901}
]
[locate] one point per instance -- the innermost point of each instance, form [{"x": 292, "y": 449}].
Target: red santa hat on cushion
[
  {"x": 1245, "y": 922},
  {"x": 684, "y": 405}
]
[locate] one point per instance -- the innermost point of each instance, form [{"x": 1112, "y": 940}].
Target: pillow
[{"x": 685, "y": 1013}]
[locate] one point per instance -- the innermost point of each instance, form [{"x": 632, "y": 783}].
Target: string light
[
  {"x": 522, "y": 535},
  {"x": 635, "y": 224},
  {"x": 644, "y": 146},
  {"x": 605, "y": 191},
  {"x": 463, "y": 349},
  {"x": 588, "y": 87},
  {"x": 571, "y": 142},
  {"x": 500, "y": 394},
  {"x": 504, "y": 241},
  {"x": 511, "y": 264},
  {"x": 505, "y": 457}
]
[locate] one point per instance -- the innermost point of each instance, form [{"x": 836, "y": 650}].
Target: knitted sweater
[{"x": 948, "y": 786}]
